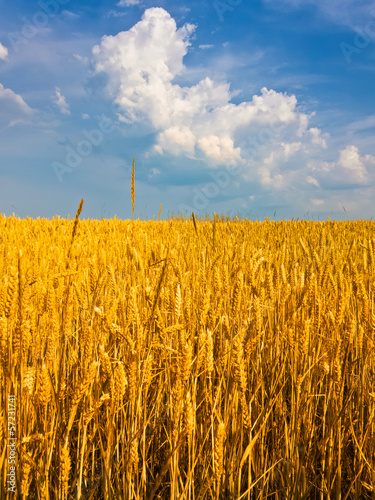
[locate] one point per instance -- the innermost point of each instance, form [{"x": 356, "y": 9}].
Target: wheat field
[{"x": 188, "y": 359}]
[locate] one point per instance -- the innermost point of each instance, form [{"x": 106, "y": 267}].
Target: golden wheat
[{"x": 188, "y": 358}]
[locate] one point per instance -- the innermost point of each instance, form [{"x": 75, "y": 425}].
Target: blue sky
[{"x": 250, "y": 107}]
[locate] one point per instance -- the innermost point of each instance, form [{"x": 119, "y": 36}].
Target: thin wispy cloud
[
  {"x": 345, "y": 12},
  {"x": 14, "y": 110},
  {"x": 82, "y": 59},
  {"x": 365, "y": 124},
  {"x": 128, "y": 3},
  {"x": 115, "y": 13},
  {"x": 71, "y": 15},
  {"x": 7, "y": 95}
]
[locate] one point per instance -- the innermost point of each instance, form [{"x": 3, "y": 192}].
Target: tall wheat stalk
[{"x": 133, "y": 189}]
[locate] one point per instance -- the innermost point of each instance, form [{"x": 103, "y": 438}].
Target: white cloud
[
  {"x": 364, "y": 124},
  {"x": 206, "y": 46},
  {"x": 312, "y": 180},
  {"x": 317, "y": 202},
  {"x": 272, "y": 163},
  {"x": 85, "y": 116},
  {"x": 3, "y": 52},
  {"x": 128, "y": 3},
  {"x": 154, "y": 172},
  {"x": 220, "y": 148},
  {"x": 268, "y": 138},
  {"x": 60, "y": 102},
  {"x": 180, "y": 137},
  {"x": 351, "y": 164},
  {"x": 318, "y": 138},
  {"x": 70, "y": 14},
  {"x": 282, "y": 154},
  {"x": 116, "y": 13},
  {"x": 351, "y": 169},
  {"x": 14, "y": 110},
  {"x": 276, "y": 182},
  {"x": 141, "y": 65},
  {"x": 10, "y": 96}
]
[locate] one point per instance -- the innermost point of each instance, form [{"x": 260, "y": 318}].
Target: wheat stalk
[{"x": 133, "y": 190}]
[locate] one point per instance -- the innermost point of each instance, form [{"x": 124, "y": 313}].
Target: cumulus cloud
[
  {"x": 178, "y": 139},
  {"x": 3, "y": 52},
  {"x": 351, "y": 164},
  {"x": 319, "y": 179},
  {"x": 60, "y": 102},
  {"x": 351, "y": 169},
  {"x": 282, "y": 154},
  {"x": 142, "y": 64},
  {"x": 269, "y": 172},
  {"x": 268, "y": 139},
  {"x": 318, "y": 138}
]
